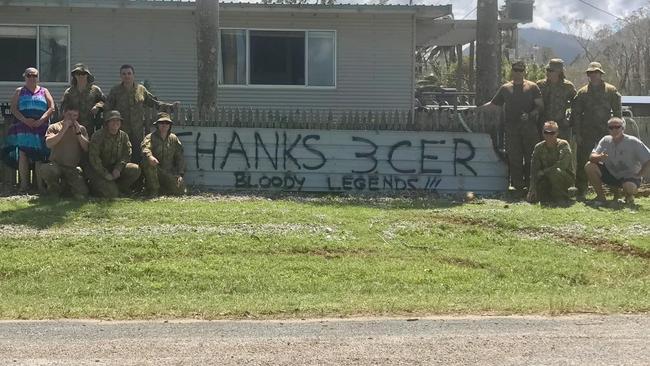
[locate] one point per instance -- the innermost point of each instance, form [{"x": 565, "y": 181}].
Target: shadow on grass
[{"x": 44, "y": 212}]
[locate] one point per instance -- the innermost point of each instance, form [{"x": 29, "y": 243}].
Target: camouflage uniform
[
  {"x": 63, "y": 167},
  {"x": 557, "y": 99},
  {"x": 84, "y": 100},
  {"x": 169, "y": 153},
  {"x": 551, "y": 171},
  {"x": 106, "y": 153},
  {"x": 592, "y": 107},
  {"x": 130, "y": 103}
]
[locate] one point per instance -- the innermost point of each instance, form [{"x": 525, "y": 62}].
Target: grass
[{"x": 237, "y": 256}]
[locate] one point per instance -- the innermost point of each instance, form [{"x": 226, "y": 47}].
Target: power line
[
  {"x": 600, "y": 9},
  {"x": 470, "y": 12}
]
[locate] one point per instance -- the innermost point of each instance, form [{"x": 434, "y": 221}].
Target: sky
[{"x": 547, "y": 12}]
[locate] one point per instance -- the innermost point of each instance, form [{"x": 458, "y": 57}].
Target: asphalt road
[{"x": 530, "y": 340}]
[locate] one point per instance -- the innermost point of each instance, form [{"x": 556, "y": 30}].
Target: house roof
[{"x": 420, "y": 11}]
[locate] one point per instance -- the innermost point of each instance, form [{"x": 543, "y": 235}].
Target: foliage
[{"x": 267, "y": 256}]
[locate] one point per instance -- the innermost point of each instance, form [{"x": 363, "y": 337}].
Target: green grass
[{"x": 236, "y": 256}]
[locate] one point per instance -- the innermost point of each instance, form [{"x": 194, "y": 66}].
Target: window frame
[
  {"x": 38, "y": 54},
  {"x": 248, "y": 85}
]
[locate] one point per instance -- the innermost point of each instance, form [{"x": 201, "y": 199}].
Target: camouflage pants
[
  {"x": 105, "y": 188},
  {"x": 520, "y": 143},
  {"x": 554, "y": 186},
  {"x": 136, "y": 135},
  {"x": 57, "y": 176},
  {"x": 158, "y": 180},
  {"x": 585, "y": 147}
]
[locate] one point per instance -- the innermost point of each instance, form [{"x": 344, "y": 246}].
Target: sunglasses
[
  {"x": 163, "y": 123},
  {"x": 550, "y": 132},
  {"x": 31, "y": 75},
  {"x": 614, "y": 127},
  {"x": 80, "y": 73}
]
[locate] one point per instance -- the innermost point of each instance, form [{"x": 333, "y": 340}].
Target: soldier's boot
[
  {"x": 129, "y": 175},
  {"x": 171, "y": 184}
]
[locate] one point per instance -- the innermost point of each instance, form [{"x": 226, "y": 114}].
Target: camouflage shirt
[
  {"x": 557, "y": 99},
  {"x": 85, "y": 100},
  {"x": 131, "y": 103},
  {"x": 169, "y": 152},
  {"x": 592, "y": 107},
  {"x": 550, "y": 157},
  {"x": 108, "y": 152}
]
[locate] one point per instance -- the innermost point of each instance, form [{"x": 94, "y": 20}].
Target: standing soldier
[
  {"x": 68, "y": 142},
  {"x": 85, "y": 95},
  {"x": 129, "y": 98},
  {"x": 593, "y": 106},
  {"x": 557, "y": 93},
  {"x": 523, "y": 104},
  {"x": 163, "y": 165},
  {"x": 551, "y": 170},
  {"x": 110, "y": 150}
]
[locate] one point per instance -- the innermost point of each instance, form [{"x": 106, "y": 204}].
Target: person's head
[
  {"x": 595, "y": 73},
  {"x": 163, "y": 123},
  {"x": 71, "y": 112},
  {"x": 31, "y": 76},
  {"x": 550, "y": 131},
  {"x": 81, "y": 75},
  {"x": 555, "y": 69},
  {"x": 113, "y": 122},
  {"x": 616, "y": 126},
  {"x": 518, "y": 70},
  {"x": 127, "y": 74}
]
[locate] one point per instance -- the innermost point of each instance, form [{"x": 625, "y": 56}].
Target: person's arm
[
  {"x": 82, "y": 136},
  {"x": 50, "y": 109},
  {"x": 645, "y": 169},
  {"x": 16, "y": 112},
  {"x": 53, "y": 135},
  {"x": 599, "y": 154},
  {"x": 147, "y": 151},
  {"x": 151, "y": 101},
  {"x": 100, "y": 100},
  {"x": 496, "y": 101}
]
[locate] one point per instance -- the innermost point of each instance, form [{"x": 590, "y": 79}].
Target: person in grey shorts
[{"x": 619, "y": 160}]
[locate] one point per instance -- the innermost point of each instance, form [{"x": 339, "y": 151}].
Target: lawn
[{"x": 236, "y": 256}]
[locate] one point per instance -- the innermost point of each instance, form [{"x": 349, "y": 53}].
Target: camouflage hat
[
  {"x": 84, "y": 69},
  {"x": 595, "y": 66},
  {"x": 163, "y": 117},
  {"x": 519, "y": 65},
  {"x": 555, "y": 64},
  {"x": 112, "y": 115}
]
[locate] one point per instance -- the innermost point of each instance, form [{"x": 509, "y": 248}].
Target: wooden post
[
  {"x": 472, "y": 75},
  {"x": 207, "y": 46},
  {"x": 487, "y": 50}
]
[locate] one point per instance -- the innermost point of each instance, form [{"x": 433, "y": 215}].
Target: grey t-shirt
[{"x": 624, "y": 159}]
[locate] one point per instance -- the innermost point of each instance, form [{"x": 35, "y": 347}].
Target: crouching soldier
[
  {"x": 68, "y": 142},
  {"x": 163, "y": 164},
  {"x": 110, "y": 151},
  {"x": 551, "y": 171}
]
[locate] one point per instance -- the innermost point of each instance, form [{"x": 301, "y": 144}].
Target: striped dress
[{"x": 21, "y": 137}]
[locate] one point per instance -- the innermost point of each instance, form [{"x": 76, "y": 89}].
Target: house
[{"x": 340, "y": 57}]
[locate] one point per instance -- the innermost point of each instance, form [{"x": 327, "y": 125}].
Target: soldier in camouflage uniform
[
  {"x": 593, "y": 106},
  {"x": 110, "y": 150},
  {"x": 557, "y": 93},
  {"x": 551, "y": 171},
  {"x": 130, "y": 98},
  {"x": 84, "y": 95},
  {"x": 163, "y": 165},
  {"x": 68, "y": 142}
]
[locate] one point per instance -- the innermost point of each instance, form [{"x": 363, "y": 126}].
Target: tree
[
  {"x": 207, "y": 45},
  {"x": 487, "y": 50}
]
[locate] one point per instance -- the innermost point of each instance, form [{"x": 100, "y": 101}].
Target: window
[
  {"x": 43, "y": 47},
  {"x": 273, "y": 57}
]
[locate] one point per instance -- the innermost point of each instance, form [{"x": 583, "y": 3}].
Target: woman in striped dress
[{"x": 32, "y": 107}]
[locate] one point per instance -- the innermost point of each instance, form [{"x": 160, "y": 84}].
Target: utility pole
[
  {"x": 207, "y": 46},
  {"x": 487, "y": 50}
]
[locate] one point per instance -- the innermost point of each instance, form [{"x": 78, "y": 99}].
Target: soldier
[
  {"x": 620, "y": 161},
  {"x": 551, "y": 171},
  {"x": 523, "y": 104},
  {"x": 557, "y": 94},
  {"x": 67, "y": 141},
  {"x": 163, "y": 165},
  {"x": 85, "y": 95},
  {"x": 110, "y": 150},
  {"x": 129, "y": 98},
  {"x": 593, "y": 106}
]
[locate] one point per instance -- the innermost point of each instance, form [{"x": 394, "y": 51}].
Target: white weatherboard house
[
  {"x": 357, "y": 57},
  {"x": 333, "y": 57}
]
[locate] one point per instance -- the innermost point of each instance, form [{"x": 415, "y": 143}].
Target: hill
[{"x": 561, "y": 45}]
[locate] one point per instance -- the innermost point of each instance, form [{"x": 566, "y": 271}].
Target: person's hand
[
  {"x": 601, "y": 157},
  {"x": 77, "y": 127},
  {"x": 179, "y": 181},
  {"x": 108, "y": 176},
  {"x": 67, "y": 124},
  {"x": 94, "y": 111},
  {"x": 153, "y": 161},
  {"x": 39, "y": 122},
  {"x": 116, "y": 173},
  {"x": 30, "y": 122}
]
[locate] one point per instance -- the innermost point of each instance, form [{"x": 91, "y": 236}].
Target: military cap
[
  {"x": 555, "y": 64},
  {"x": 519, "y": 65},
  {"x": 163, "y": 117},
  {"x": 84, "y": 69},
  {"x": 113, "y": 115},
  {"x": 595, "y": 66}
]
